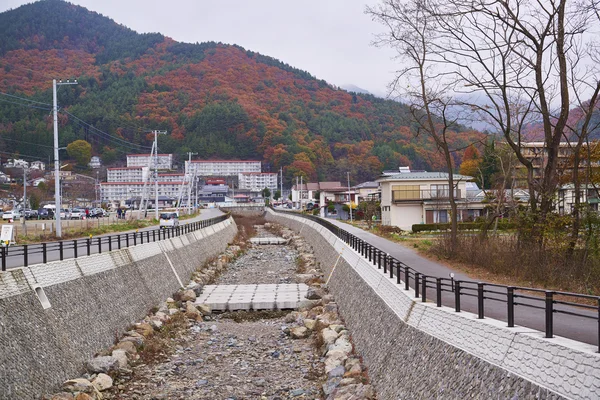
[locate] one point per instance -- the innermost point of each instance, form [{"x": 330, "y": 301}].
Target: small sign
[{"x": 6, "y": 235}]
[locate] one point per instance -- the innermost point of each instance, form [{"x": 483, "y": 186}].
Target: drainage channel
[{"x": 263, "y": 329}]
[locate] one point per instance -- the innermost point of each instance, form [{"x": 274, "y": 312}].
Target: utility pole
[
  {"x": 156, "y": 133},
  {"x": 57, "y": 193},
  {"x": 349, "y": 198},
  {"x": 281, "y": 187},
  {"x": 189, "y": 199},
  {"x": 301, "y": 193}
]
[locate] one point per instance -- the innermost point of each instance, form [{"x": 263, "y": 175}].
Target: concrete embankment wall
[
  {"x": 92, "y": 300},
  {"x": 416, "y": 350}
]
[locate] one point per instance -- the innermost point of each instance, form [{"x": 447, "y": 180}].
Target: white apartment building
[
  {"x": 221, "y": 167},
  {"x": 127, "y": 174},
  {"x": 257, "y": 181},
  {"x": 121, "y": 191},
  {"x": 172, "y": 177},
  {"x": 165, "y": 161}
]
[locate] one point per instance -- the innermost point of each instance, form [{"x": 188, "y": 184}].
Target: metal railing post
[
  {"x": 99, "y": 245},
  {"x": 135, "y": 238},
  {"x": 480, "y": 300},
  {"x": 25, "y": 256},
  {"x": 510, "y": 303},
  {"x": 127, "y": 240},
  {"x": 406, "y": 278},
  {"x": 549, "y": 314},
  {"x": 60, "y": 251},
  {"x": 89, "y": 246},
  {"x": 154, "y": 235},
  {"x": 44, "y": 253},
  {"x": 417, "y": 284},
  {"x": 3, "y": 258},
  {"x": 438, "y": 290},
  {"x": 148, "y": 236},
  {"x": 424, "y": 289},
  {"x": 457, "y": 296},
  {"x": 141, "y": 237},
  {"x": 75, "y": 248},
  {"x": 119, "y": 241},
  {"x": 390, "y": 261},
  {"x": 109, "y": 242}
]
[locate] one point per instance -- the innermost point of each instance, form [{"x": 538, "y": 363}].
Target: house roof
[
  {"x": 225, "y": 161},
  {"x": 422, "y": 176},
  {"x": 365, "y": 185},
  {"x": 258, "y": 173},
  {"x": 148, "y": 155}
]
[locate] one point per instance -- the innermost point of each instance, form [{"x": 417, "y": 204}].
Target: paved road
[
  {"x": 54, "y": 255},
  {"x": 577, "y": 328}
]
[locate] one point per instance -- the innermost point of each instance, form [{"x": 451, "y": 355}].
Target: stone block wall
[
  {"x": 92, "y": 300},
  {"x": 417, "y": 350}
]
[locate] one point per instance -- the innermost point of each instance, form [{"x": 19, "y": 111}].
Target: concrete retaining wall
[
  {"x": 417, "y": 350},
  {"x": 92, "y": 300}
]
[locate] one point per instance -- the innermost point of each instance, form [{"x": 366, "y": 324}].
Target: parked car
[
  {"x": 77, "y": 213},
  {"x": 12, "y": 214},
  {"x": 30, "y": 214},
  {"x": 45, "y": 213},
  {"x": 169, "y": 220},
  {"x": 98, "y": 213},
  {"x": 65, "y": 213}
]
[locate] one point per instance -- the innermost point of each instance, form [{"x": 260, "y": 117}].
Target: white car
[
  {"x": 169, "y": 220},
  {"x": 65, "y": 213},
  {"x": 76, "y": 213},
  {"x": 12, "y": 214}
]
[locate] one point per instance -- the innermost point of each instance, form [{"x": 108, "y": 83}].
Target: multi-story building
[
  {"x": 127, "y": 174},
  {"x": 257, "y": 181},
  {"x": 123, "y": 191},
  {"x": 172, "y": 177},
  {"x": 165, "y": 161},
  {"x": 221, "y": 167}
]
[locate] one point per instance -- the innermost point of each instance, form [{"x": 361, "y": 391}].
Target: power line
[
  {"x": 25, "y": 99},
  {"x": 107, "y": 135},
  {"x": 26, "y": 105},
  {"x": 24, "y": 142}
]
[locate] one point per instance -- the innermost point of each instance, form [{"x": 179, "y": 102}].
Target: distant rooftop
[{"x": 408, "y": 176}]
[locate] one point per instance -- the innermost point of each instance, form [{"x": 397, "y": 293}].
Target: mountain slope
[{"x": 214, "y": 99}]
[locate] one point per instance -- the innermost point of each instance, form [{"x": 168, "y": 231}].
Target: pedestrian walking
[{"x": 119, "y": 213}]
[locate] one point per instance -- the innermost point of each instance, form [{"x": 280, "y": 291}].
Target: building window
[{"x": 406, "y": 192}]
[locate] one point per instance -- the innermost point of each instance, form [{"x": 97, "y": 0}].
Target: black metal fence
[
  {"x": 66, "y": 249},
  {"x": 433, "y": 287}
]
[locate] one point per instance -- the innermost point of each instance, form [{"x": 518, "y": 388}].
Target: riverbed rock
[
  {"x": 102, "y": 364},
  {"x": 299, "y": 332},
  {"x": 188, "y": 295},
  {"x": 102, "y": 382},
  {"x": 78, "y": 385},
  {"x": 121, "y": 357}
]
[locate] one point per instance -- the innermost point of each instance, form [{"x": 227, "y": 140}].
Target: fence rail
[
  {"x": 84, "y": 247},
  {"x": 425, "y": 285}
]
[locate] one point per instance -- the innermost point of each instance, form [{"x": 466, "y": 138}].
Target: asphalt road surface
[
  {"x": 573, "y": 327},
  {"x": 54, "y": 255}
]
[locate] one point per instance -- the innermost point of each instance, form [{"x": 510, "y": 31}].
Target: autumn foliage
[{"x": 218, "y": 100}]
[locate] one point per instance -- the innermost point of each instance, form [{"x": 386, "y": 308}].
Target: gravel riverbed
[{"x": 187, "y": 352}]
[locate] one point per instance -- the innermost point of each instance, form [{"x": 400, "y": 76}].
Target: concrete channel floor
[{"x": 282, "y": 296}]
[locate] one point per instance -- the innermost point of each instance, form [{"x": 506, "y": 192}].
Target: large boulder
[
  {"x": 102, "y": 382},
  {"x": 299, "y": 332},
  {"x": 188, "y": 295},
  {"x": 78, "y": 385},
  {"x": 102, "y": 364}
]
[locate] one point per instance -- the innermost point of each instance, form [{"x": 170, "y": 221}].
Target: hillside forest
[{"x": 218, "y": 100}]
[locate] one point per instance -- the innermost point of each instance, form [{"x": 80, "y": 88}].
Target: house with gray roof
[{"x": 409, "y": 198}]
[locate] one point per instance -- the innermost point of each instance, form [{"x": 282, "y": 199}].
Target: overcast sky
[{"x": 331, "y": 39}]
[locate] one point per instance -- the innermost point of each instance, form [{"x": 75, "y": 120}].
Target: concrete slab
[{"x": 252, "y": 297}]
